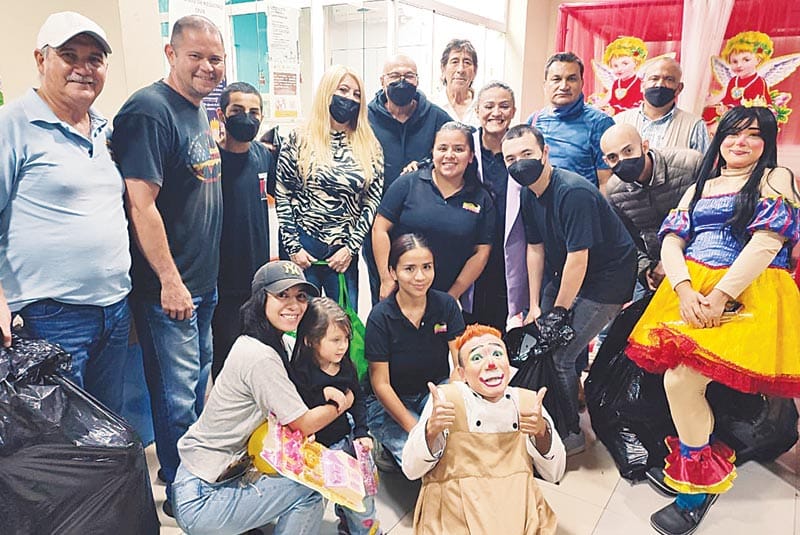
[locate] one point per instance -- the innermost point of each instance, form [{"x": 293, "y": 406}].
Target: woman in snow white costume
[{"x": 729, "y": 313}]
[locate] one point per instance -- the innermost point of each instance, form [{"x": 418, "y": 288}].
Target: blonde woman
[{"x": 329, "y": 184}]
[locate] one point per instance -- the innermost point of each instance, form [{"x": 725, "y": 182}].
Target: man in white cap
[{"x": 64, "y": 256}]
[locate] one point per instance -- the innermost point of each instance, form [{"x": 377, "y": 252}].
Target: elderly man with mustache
[{"x": 64, "y": 256}]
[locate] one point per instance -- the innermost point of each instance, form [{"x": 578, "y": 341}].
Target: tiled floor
[{"x": 593, "y": 499}]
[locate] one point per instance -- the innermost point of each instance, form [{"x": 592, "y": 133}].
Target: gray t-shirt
[{"x": 252, "y": 384}]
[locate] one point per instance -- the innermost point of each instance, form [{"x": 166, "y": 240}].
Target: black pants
[{"x": 225, "y": 328}]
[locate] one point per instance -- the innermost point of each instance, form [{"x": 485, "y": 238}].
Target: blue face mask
[{"x": 342, "y": 109}]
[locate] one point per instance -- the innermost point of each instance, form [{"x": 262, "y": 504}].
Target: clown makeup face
[{"x": 483, "y": 365}]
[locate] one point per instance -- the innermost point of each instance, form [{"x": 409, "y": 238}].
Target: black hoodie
[{"x": 404, "y": 142}]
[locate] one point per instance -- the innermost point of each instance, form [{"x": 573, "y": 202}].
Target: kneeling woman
[
  {"x": 408, "y": 338},
  {"x": 209, "y": 495},
  {"x": 729, "y": 313}
]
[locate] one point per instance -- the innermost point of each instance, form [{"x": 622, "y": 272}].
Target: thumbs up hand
[
  {"x": 531, "y": 421},
  {"x": 443, "y": 414}
]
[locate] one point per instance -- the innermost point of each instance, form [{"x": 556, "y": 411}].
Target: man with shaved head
[
  {"x": 658, "y": 119},
  {"x": 647, "y": 183},
  {"x": 405, "y": 123}
]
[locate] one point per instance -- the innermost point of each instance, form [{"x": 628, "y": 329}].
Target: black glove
[{"x": 555, "y": 327}]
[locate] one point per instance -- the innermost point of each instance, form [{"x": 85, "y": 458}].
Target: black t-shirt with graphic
[{"x": 161, "y": 137}]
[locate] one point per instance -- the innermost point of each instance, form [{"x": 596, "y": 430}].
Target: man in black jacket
[
  {"x": 646, "y": 184},
  {"x": 405, "y": 123}
]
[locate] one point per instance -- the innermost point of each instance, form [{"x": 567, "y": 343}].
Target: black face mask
[
  {"x": 242, "y": 127},
  {"x": 343, "y": 110},
  {"x": 659, "y": 96},
  {"x": 401, "y": 92},
  {"x": 630, "y": 169},
  {"x": 526, "y": 172}
]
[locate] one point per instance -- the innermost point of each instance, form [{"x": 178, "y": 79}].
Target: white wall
[{"x": 133, "y": 31}]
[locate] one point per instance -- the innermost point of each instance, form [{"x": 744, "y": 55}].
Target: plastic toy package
[{"x": 336, "y": 475}]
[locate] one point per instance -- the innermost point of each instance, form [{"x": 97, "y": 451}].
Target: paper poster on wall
[
  {"x": 283, "y": 34},
  {"x": 285, "y": 84}
]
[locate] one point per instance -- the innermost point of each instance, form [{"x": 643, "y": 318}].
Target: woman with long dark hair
[
  {"x": 409, "y": 342},
  {"x": 730, "y": 309},
  {"x": 446, "y": 204},
  {"x": 209, "y": 494}
]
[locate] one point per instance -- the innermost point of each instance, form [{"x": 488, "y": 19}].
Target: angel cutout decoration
[
  {"x": 747, "y": 72},
  {"x": 620, "y": 73}
]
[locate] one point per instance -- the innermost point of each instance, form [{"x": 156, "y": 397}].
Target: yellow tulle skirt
[{"x": 755, "y": 350}]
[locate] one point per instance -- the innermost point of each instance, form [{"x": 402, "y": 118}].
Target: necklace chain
[{"x": 738, "y": 92}]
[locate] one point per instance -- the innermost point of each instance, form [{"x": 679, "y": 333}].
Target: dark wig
[
  {"x": 253, "y": 321},
  {"x": 734, "y": 121}
]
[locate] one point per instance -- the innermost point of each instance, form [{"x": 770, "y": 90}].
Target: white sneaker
[{"x": 574, "y": 443}]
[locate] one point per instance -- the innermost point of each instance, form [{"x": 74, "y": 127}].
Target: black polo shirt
[
  {"x": 415, "y": 355},
  {"x": 452, "y": 226},
  {"x": 572, "y": 215}
]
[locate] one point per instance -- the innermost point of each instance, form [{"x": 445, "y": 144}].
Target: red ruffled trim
[
  {"x": 717, "y": 446},
  {"x": 672, "y": 348},
  {"x": 703, "y": 471}
]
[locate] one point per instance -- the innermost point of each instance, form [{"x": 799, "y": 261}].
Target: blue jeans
[
  {"x": 325, "y": 278},
  {"x": 588, "y": 319},
  {"x": 177, "y": 359},
  {"x": 96, "y": 337},
  {"x": 365, "y": 523},
  {"x": 234, "y": 507},
  {"x": 385, "y": 429}
]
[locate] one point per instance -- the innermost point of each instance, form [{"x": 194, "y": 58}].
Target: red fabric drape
[{"x": 587, "y": 28}]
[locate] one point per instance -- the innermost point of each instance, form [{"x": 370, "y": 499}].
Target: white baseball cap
[{"x": 61, "y": 27}]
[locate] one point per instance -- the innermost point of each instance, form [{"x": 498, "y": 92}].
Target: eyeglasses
[{"x": 410, "y": 77}]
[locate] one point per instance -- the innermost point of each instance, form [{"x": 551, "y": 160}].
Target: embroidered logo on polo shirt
[
  {"x": 439, "y": 328},
  {"x": 472, "y": 207}
]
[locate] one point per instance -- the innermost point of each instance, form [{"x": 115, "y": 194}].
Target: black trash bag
[
  {"x": 630, "y": 414},
  {"x": 757, "y": 427},
  {"x": 627, "y": 406},
  {"x": 67, "y": 464},
  {"x": 535, "y": 370}
]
